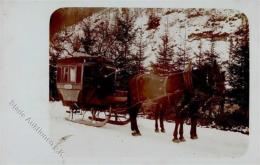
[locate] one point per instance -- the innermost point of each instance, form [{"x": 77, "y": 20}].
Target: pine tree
[
  {"x": 182, "y": 59},
  {"x": 53, "y": 91},
  {"x": 182, "y": 55},
  {"x": 239, "y": 68},
  {"x": 199, "y": 56},
  {"x": 89, "y": 39},
  {"x": 104, "y": 39},
  {"x": 212, "y": 35},
  {"x": 55, "y": 52},
  {"x": 239, "y": 79},
  {"x": 124, "y": 34},
  {"x": 214, "y": 24},
  {"x": 239, "y": 71},
  {"x": 139, "y": 57},
  {"x": 164, "y": 64}
]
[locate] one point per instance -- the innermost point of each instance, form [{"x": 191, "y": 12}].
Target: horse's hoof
[
  {"x": 182, "y": 139},
  {"x": 163, "y": 130},
  {"x": 176, "y": 140},
  {"x": 156, "y": 130},
  {"x": 194, "y": 137},
  {"x": 136, "y": 134}
]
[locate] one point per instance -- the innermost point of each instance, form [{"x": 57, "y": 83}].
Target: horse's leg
[
  {"x": 175, "y": 133},
  {"x": 135, "y": 122},
  {"x": 222, "y": 104},
  {"x": 181, "y": 138},
  {"x": 131, "y": 120},
  {"x": 156, "y": 116},
  {"x": 193, "y": 130},
  {"x": 161, "y": 120},
  {"x": 133, "y": 112}
]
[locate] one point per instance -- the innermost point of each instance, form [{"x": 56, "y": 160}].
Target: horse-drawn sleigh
[{"x": 88, "y": 84}]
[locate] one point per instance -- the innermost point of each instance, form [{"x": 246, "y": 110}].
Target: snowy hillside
[
  {"x": 187, "y": 28},
  {"x": 113, "y": 144}
]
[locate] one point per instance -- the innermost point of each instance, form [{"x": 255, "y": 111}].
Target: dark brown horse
[
  {"x": 165, "y": 91},
  {"x": 207, "y": 87},
  {"x": 185, "y": 92}
]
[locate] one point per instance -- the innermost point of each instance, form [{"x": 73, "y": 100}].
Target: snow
[{"x": 113, "y": 143}]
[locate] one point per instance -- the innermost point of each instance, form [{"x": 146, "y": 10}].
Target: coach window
[
  {"x": 65, "y": 75},
  {"x": 73, "y": 74}
]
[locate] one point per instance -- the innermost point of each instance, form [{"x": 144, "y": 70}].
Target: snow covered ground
[{"x": 114, "y": 144}]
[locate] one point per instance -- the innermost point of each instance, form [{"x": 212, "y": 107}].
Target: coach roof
[{"x": 83, "y": 59}]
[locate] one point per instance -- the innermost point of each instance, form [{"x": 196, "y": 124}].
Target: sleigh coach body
[{"x": 87, "y": 84}]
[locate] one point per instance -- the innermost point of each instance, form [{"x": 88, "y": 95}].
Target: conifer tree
[
  {"x": 89, "y": 39},
  {"x": 139, "y": 56},
  {"x": 164, "y": 61},
  {"x": 239, "y": 67},
  {"x": 124, "y": 33}
]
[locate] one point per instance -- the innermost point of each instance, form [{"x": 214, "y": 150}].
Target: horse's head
[{"x": 209, "y": 79}]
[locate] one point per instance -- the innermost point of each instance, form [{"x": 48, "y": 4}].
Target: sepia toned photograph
[
  {"x": 129, "y": 83},
  {"x": 149, "y": 82}
]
